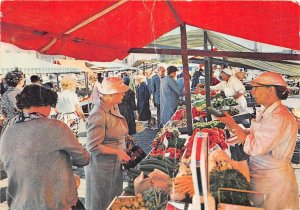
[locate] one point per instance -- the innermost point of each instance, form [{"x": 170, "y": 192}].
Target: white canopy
[
  {"x": 30, "y": 65},
  {"x": 109, "y": 65}
]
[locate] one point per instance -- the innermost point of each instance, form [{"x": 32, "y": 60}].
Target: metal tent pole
[
  {"x": 207, "y": 76},
  {"x": 186, "y": 77}
]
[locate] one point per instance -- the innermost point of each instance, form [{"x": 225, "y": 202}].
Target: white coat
[
  {"x": 270, "y": 144},
  {"x": 232, "y": 87}
]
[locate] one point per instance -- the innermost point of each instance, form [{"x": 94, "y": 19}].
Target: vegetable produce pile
[
  {"x": 210, "y": 124},
  {"x": 180, "y": 114},
  {"x": 165, "y": 165},
  {"x": 219, "y": 102},
  {"x": 200, "y": 104},
  {"x": 129, "y": 202},
  {"x": 155, "y": 199},
  {"x": 233, "y": 111},
  {"x": 197, "y": 113},
  {"x": 216, "y": 137},
  {"x": 168, "y": 144},
  {"x": 182, "y": 187},
  {"x": 230, "y": 178}
]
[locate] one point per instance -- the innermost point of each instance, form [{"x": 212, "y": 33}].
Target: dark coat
[
  {"x": 195, "y": 79},
  {"x": 127, "y": 108},
  {"x": 155, "y": 86},
  {"x": 143, "y": 97}
]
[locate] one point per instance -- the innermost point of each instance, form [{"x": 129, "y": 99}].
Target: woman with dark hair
[
  {"x": 270, "y": 142},
  {"x": 128, "y": 106},
  {"x": 38, "y": 154},
  {"x": 15, "y": 81}
]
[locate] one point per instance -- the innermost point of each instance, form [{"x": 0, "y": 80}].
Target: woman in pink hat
[
  {"x": 106, "y": 132},
  {"x": 270, "y": 142}
]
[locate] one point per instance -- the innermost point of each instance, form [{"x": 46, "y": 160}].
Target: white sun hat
[{"x": 111, "y": 85}]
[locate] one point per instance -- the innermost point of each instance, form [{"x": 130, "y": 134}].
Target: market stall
[
  {"x": 79, "y": 40},
  {"x": 186, "y": 171}
]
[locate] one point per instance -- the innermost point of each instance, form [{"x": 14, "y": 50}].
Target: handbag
[{"x": 134, "y": 151}]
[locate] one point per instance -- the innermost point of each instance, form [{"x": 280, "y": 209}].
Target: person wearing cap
[
  {"x": 231, "y": 86},
  {"x": 106, "y": 132},
  {"x": 169, "y": 95},
  {"x": 270, "y": 142}
]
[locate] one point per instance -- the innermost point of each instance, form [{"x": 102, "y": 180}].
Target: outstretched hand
[
  {"x": 227, "y": 119},
  {"x": 233, "y": 127}
]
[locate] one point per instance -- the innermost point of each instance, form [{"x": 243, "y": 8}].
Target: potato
[
  {"x": 128, "y": 203},
  {"x": 136, "y": 204},
  {"x": 139, "y": 195},
  {"x": 118, "y": 200}
]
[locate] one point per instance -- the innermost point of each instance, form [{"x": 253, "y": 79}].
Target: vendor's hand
[
  {"x": 123, "y": 157},
  {"x": 227, "y": 120},
  {"x": 194, "y": 91}
]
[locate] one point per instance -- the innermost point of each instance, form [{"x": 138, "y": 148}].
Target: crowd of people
[{"x": 38, "y": 152}]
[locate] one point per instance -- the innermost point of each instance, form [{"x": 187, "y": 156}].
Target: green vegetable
[
  {"x": 155, "y": 199},
  {"x": 230, "y": 178},
  {"x": 177, "y": 143},
  {"x": 129, "y": 189},
  {"x": 151, "y": 167}
]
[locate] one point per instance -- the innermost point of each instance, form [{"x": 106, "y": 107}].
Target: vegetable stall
[{"x": 175, "y": 173}]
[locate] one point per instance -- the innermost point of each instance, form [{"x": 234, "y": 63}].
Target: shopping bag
[{"x": 139, "y": 126}]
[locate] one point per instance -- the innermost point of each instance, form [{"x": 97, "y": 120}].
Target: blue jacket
[
  {"x": 155, "y": 87},
  {"x": 169, "y": 98}
]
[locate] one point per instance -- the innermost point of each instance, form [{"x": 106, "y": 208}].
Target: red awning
[{"x": 46, "y": 26}]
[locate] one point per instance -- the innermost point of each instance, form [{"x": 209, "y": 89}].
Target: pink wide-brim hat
[
  {"x": 111, "y": 85},
  {"x": 269, "y": 78}
]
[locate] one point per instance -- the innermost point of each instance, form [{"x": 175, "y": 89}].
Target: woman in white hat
[
  {"x": 270, "y": 142},
  {"x": 231, "y": 86},
  {"x": 106, "y": 131}
]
